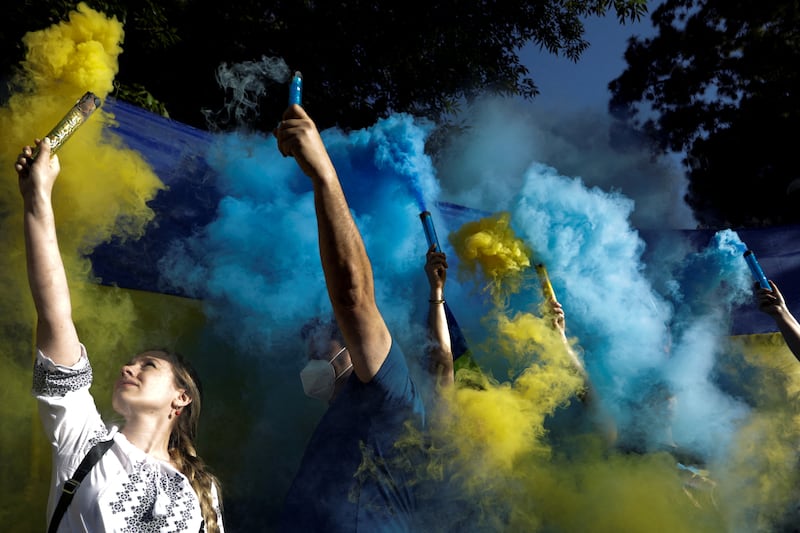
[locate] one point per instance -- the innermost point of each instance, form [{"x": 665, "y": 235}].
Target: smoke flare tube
[
  {"x": 755, "y": 268},
  {"x": 547, "y": 288},
  {"x": 75, "y": 117},
  {"x": 430, "y": 231},
  {"x": 296, "y": 89},
  {"x": 458, "y": 343}
]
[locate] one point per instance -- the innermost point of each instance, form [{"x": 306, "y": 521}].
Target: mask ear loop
[{"x": 335, "y": 375}]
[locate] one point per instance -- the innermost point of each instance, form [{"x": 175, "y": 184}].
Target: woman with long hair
[{"x": 150, "y": 478}]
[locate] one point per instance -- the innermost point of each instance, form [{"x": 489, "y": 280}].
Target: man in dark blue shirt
[{"x": 350, "y": 478}]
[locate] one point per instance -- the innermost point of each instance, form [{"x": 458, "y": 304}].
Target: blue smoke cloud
[
  {"x": 256, "y": 266},
  {"x": 651, "y": 316},
  {"x": 257, "y": 269},
  {"x": 635, "y": 338}
]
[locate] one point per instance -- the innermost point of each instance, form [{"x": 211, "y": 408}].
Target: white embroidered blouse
[{"x": 127, "y": 490}]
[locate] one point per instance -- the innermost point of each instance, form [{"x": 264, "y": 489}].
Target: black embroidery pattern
[
  {"x": 56, "y": 384},
  {"x": 101, "y": 433},
  {"x": 137, "y": 499}
]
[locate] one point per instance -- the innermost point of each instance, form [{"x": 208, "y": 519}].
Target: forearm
[
  {"x": 575, "y": 361},
  {"x": 587, "y": 393},
  {"x": 348, "y": 273},
  {"x": 345, "y": 264},
  {"x": 55, "y": 332},
  {"x": 348, "y": 276},
  {"x": 440, "y": 353}
]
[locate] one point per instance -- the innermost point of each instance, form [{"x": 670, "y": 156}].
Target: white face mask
[{"x": 319, "y": 377}]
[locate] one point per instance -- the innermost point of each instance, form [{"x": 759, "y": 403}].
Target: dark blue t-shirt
[{"x": 351, "y": 477}]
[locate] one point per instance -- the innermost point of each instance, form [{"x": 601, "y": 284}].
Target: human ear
[{"x": 182, "y": 400}]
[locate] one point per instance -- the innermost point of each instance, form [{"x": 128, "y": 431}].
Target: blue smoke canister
[
  {"x": 755, "y": 268},
  {"x": 430, "y": 231},
  {"x": 296, "y": 89}
]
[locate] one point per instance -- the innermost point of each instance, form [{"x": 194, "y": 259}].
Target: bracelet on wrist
[{"x": 436, "y": 301}]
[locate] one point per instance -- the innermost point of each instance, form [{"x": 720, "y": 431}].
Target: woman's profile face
[{"x": 146, "y": 385}]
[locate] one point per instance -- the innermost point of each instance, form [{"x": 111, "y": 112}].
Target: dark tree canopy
[
  {"x": 360, "y": 60},
  {"x": 719, "y": 83}
]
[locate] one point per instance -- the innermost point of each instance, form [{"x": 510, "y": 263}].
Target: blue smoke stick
[
  {"x": 430, "y": 231},
  {"x": 296, "y": 89},
  {"x": 458, "y": 343},
  {"x": 755, "y": 268}
]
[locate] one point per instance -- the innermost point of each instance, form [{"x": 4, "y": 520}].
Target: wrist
[{"x": 38, "y": 205}]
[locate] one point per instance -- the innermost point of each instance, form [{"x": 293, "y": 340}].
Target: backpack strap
[{"x": 72, "y": 484}]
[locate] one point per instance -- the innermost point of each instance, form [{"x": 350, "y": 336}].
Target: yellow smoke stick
[
  {"x": 544, "y": 279},
  {"x": 75, "y": 117}
]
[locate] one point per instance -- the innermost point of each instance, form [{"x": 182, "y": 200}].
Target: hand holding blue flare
[{"x": 457, "y": 340}]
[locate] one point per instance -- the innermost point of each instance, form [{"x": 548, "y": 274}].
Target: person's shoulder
[
  {"x": 395, "y": 350},
  {"x": 395, "y": 382},
  {"x": 393, "y": 364}
]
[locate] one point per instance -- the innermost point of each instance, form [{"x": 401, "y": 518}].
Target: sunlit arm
[
  {"x": 440, "y": 352},
  {"x": 771, "y": 302},
  {"x": 588, "y": 396},
  {"x": 347, "y": 269},
  {"x": 55, "y": 332}
]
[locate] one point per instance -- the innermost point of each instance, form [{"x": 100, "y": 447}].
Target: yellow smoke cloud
[
  {"x": 490, "y": 247},
  {"x": 526, "y": 339},
  {"x": 502, "y": 472},
  {"x": 490, "y": 437},
  {"x": 761, "y": 479},
  {"x": 80, "y": 53},
  {"x": 495, "y": 431},
  {"x": 614, "y": 492},
  {"x": 492, "y": 441},
  {"x": 102, "y": 192},
  {"x": 103, "y": 188}
]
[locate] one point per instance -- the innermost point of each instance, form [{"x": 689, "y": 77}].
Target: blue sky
[{"x": 575, "y": 86}]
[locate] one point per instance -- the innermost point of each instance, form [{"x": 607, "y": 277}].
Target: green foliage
[
  {"x": 139, "y": 96},
  {"x": 719, "y": 83},
  {"x": 361, "y": 60}
]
